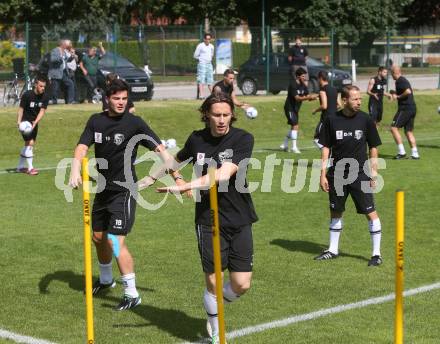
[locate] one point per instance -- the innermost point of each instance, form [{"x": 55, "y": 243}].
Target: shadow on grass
[
  {"x": 428, "y": 146},
  {"x": 172, "y": 321},
  {"x": 308, "y": 247}
]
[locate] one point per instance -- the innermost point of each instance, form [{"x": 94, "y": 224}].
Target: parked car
[
  {"x": 140, "y": 81},
  {"x": 252, "y": 74}
]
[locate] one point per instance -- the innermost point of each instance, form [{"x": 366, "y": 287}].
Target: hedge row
[{"x": 176, "y": 56}]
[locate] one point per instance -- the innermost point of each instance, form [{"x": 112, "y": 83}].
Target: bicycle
[{"x": 12, "y": 93}]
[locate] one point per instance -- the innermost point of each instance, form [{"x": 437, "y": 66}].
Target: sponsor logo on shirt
[
  {"x": 358, "y": 134},
  {"x": 118, "y": 139},
  {"x": 32, "y": 104},
  {"x": 200, "y": 158},
  {"x": 340, "y": 134},
  {"x": 227, "y": 154},
  {"x": 98, "y": 137}
]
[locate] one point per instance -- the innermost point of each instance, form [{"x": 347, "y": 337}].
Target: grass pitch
[{"x": 42, "y": 255}]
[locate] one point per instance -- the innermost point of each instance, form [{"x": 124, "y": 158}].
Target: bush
[{"x": 9, "y": 52}]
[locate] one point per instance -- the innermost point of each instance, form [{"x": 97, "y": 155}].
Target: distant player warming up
[
  {"x": 405, "y": 115},
  {"x": 33, "y": 105},
  {"x": 296, "y": 94},
  {"x": 376, "y": 91}
]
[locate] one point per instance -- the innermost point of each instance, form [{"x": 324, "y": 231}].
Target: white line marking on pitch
[
  {"x": 322, "y": 312},
  {"x": 18, "y": 338}
]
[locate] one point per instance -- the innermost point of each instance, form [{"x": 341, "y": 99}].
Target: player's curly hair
[{"x": 214, "y": 99}]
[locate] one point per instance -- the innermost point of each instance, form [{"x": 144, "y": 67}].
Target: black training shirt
[
  {"x": 299, "y": 54},
  {"x": 407, "y": 102},
  {"x": 32, "y": 104},
  {"x": 235, "y": 207},
  {"x": 111, "y": 136},
  {"x": 378, "y": 88},
  {"x": 332, "y": 101},
  {"x": 349, "y": 137},
  {"x": 226, "y": 89},
  {"x": 293, "y": 90}
]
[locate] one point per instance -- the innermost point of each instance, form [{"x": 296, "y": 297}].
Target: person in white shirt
[{"x": 205, "y": 73}]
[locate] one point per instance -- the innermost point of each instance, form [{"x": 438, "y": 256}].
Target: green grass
[{"x": 42, "y": 259}]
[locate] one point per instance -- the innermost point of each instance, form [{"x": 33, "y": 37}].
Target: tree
[{"x": 421, "y": 13}]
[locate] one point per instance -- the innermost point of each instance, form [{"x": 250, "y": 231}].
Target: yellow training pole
[
  {"x": 87, "y": 251},
  {"x": 400, "y": 212},
  {"x": 217, "y": 257}
]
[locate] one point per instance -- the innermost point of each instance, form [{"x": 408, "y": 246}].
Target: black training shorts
[
  {"x": 292, "y": 117},
  {"x": 318, "y": 130},
  {"x": 32, "y": 135},
  {"x": 375, "y": 108},
  {"x": 363, "y": 201},
  {"x": 113, "y": 212},
  {"x": 236, "y": 247},
  {"x": 404, "y": 119}
]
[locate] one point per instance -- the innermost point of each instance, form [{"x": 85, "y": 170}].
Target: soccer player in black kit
[
  {"x": 328, "y": 103},
  {"x": 376, "y": 91},
  {"x": 228, "y": 149},
  {"x": 33, "y": 105},
  {"x": 297, "y": 92},
  {"x": 226, "y": 86},
  {"x": 405, "y": 115},
  {"x": 113, "y": 212},
  {"x": 347, "y": 135}
]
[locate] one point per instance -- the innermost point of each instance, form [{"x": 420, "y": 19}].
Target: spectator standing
[
  {"x": 58, "y": 73},
  {"x": 89, "y": 66},
  {"x": 205, "y": 72}
]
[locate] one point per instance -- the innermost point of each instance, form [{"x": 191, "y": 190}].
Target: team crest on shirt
[
  {"x": 339, "y": 134},
  {"x": 227, "y": 154},
  {"x": 358, "y": 134},
  {"x": 200, "y": 158},
  {"x": 118, "y": 139},
  {"x": 98, "y": 137}
]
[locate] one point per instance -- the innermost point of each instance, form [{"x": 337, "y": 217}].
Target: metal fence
[{"x": 168, "y": 50}]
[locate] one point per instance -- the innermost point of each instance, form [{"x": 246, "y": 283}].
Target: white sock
[
  {"x": 376, "y": 234},
  {"x": 29, "y": 157},
  {"x": 210, "y": 303},
  {"x": 401, "y": 149},
  {"x": 105, "y": 273},
  {"x": 129, "y": 283},
  {"x": 22, "y": 161},
  {"x": 414, "y": 152},
  {"x": 294, "y": 136},
  {"x": 335, "y": 233},
  {"x": 228, "y": 294}
]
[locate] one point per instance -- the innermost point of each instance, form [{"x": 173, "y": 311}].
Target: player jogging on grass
[
  {"x": 228, "y": 150},
  {"x": 226, "y": 86},
  {"x": 405, "y": 115},
  {"x": 113, "y": 212},
  {"x": 297, "y": 92},
  {"x": 33, "y": 105},
  {"x": 347, "y": 136},
  {"x": 376, "y": 91}
]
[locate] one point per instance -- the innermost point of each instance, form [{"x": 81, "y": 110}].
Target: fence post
[
  {"x": 163, "y": 51},
  {"x": 268, "y": 41},
  {"x": 263, "y": 23},
  {"x": 387, "y": 62},
  {"x": 332, "y": 54},
  {"x": 115, "y": 42},
  {"x": 28, "y": 47}
]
